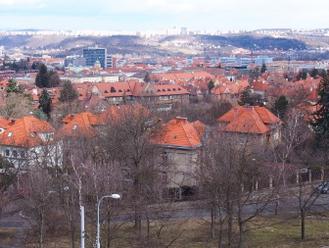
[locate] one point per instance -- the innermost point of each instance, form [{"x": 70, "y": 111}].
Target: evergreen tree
[
  {"x": 211, "y": 85},
  {"x": 314, "y": 73},
  {"x": 42, "y": 79},
  {"x": 280, "y": 106},
  {"x": 320, "y": 121},
  {"x": 13, "y": 87},
  {"x": 246, "y": 97},
  {"x": 264, "y": 68},
  {"x": 54, "y": 79},
  {"x": 302, "y": 75},
  {"x": 45, "y": 102},
  {"x": 68, "y": 93},
  {"x": 147, "y": 77}
]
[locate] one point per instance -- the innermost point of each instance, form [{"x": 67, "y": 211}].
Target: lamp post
[{"x": 113, "y": 196}]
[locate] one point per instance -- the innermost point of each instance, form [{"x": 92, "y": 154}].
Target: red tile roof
[
  {"x": 24, "y": 132},
  {"x": 81, "y": 124},
  {"x": 179, "y": 132},
  {"x": 249, "y": 120}
]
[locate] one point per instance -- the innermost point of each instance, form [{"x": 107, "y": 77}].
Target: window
[
  {"x": 22, "y": 154},
  {"x": 15, "y": 154},
  {"x": 7, "y": 152}
]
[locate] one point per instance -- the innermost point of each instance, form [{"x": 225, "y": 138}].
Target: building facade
[{"x": 93, "y": 56}]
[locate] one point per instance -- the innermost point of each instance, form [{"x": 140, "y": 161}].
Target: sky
[{"x": 142, "y": 15}]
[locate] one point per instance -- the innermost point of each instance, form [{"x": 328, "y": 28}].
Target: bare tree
[
  {"x": 40, "y": 199},
  {"x": 127, "y": 139},
  {"x": 229, "y": 177}
]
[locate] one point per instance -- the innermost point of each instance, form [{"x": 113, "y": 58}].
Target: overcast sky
[{"x": 141, "y": 15}]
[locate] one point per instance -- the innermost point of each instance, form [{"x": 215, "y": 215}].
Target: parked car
[{"x": 323, "y": 188}]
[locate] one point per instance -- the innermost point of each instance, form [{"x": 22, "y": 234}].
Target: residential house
[
  {"x": 254, "y": 125},
  {"x": 79, "y": 125},
  {"x": 181, "y": 143},
  {"x": 29, "y": 141}
]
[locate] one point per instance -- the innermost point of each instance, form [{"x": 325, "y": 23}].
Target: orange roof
[
  {"x": 4, "y": 123},
  {"x": 81, "y": 124},
  {"x": 179, "y": 132},
  {"x": 114, "y": 113},
  {"x": 231, "y": 88},
  {"x": 249, "y": 120},
  {"x": 24, "y": 132}
]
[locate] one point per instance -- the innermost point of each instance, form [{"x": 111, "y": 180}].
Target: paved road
[
  {"x": 19, "y": 226},
  {"x": 287, "y": 205}
]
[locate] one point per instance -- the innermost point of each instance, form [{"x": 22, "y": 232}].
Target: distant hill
[
  {"x": 128, "y": 44},
  {"x": 255, "y": 43}
]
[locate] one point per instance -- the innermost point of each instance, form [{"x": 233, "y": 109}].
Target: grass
[
  {"x": 6, "y": 235},
  {"x": 262, "y": 232},
  {"x": 286, "y": 233}
]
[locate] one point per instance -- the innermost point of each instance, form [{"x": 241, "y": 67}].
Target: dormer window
[
  {"x": 75, "y": 127},
  {"x": 113, "y": 90},
  {"x": 10, "y": 134},
  {"x": 106, "y": 92}
]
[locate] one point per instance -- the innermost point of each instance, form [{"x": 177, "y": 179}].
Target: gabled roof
[
  {"x": 24, "y": 132},
  {"x": 249, "y": 120},
  {"x": 179, "y": 132},
  {"x": 81, "y": 124}
]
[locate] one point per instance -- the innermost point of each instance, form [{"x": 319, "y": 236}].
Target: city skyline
[{"x": 162, "y": 14}]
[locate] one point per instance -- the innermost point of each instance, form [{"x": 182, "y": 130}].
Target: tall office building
[{"x": 94, "y": 56}]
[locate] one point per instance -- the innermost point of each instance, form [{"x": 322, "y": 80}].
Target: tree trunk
[
  {"x": 72, "y": 234},
  {"x": 241, "y": 234},
  {"x": 212, "y": 224},
  {"x": 220, "y": 231},
  {"x": 108, "y": 229},
  {"x": 41, "y": 230},
  {"x": 229, "y": 225},
  {"x": 302, "y": 224}
]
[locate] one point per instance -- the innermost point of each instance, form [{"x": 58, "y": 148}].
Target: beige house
[{"x": 181, "y": 143}]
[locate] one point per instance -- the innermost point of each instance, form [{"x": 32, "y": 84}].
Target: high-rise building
[
  {"x": 110, "y": 63},
  {"x": 94, "y": 56}
]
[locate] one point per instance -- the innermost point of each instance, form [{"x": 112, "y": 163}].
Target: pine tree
[
  {"x": 211, "y": 85},
  {"x": 320, "y": 121},
  {"x": 147, "y": 77},
  {"x": 264, "y": 68},
  {"x": 45, "y": 102},
  {"x": 42, "y": 79},
  {"x": 246, "y": 97},
  {"x": 68, "y": 93},
  {"x": 281, "y": 106}
]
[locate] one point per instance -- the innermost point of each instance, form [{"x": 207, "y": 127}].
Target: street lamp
[{"x": 113, "y": 196}]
